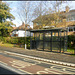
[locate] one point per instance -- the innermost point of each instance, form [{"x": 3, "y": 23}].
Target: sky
[{"x": 14, "y": 4}]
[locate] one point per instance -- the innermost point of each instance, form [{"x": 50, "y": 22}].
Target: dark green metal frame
[{"x": 60, "y": 43}]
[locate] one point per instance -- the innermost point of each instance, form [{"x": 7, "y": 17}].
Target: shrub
[
  {"x": 8, "y": 39},
  {"x": 16, "y": 40},
  {"x": 1, "y": 39},
  {"x": 4, "y": 40},
  {"x": 71, "y": 41}
]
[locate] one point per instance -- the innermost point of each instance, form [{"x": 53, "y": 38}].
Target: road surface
[{"x": 30, "y": 66}]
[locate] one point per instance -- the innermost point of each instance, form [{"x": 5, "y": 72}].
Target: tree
[
  {"x": 25, "y": 13},
  {"x": 56, "y": 6},
  {"x": 5, "y": 26},
  {"x": 51, "y": 14},
  {"x": 38, "y": 13}
]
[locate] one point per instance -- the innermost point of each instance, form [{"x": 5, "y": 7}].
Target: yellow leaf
[{"x": 43, "y": 24}]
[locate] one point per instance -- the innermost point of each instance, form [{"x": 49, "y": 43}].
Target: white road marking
[
  {"x": 20, "y": 64},
  {"x": 52, "y": 66},
  {"x": 48, "y": 70},
  {"x": 11, "y": 68},
  {"x": 64, "y": 69},
  {"x": 39, "y": 72},
  {"x": 37, "y": 58},
  {"x": 56, "y": 65},
  {"x": 36, "y": 62},
  {"x": 25, "y": 71},
  {"x": 3, "y": 63}
]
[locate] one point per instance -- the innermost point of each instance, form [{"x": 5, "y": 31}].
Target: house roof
[
  {"x": 14, "y": 27},
  {"x": 61, "y": 24},
  {"x": 67, "y": 24},
  {"x": 71, "y": 25},
  {"x": 72, "y": 10},
  {"x": 61, "y": 13},
  {"x": 22, "y": 27}
]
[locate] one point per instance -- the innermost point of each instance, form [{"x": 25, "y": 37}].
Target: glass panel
[
  {"x": 33, "y": 44},
  {"x": 55, "y": 36},
  {"x": 47, "y": 36},
  {"x": 55, "y": 46},
  {"x": 62, "y": 34},
  {"x": 41, "y": 36},
  {"x": 53, "y": 33},
  {"x": 39, "y": 45},
  {"x": 47, "y": 46},
  {"x": 37, "y": 36},
  {"x": 33, "y": 36}
]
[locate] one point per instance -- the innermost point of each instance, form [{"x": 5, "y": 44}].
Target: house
[
  {"x": 20, "y": 31},
  {"x": 67, "y": 22}
]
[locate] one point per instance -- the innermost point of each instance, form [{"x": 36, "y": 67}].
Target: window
[
  {"x": 74, "y": 18},
  {"x": 28, "y": 27},
  {"x": 67, "y": 19},
  {"x": 37, "y": 23},
  {"x": 60, "y": 20},
  {"x": 70, "y": 29},
  {"x": 71, "y": 18}
]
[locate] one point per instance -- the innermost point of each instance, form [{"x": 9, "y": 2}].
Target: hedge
[
  {"x": 16, "y": 40},
  {"x": 21, "y": 41}
]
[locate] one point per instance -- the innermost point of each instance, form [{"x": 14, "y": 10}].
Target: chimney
[{"x": 67, "y": 9}]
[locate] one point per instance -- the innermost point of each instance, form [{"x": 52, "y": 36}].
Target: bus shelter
[{"x": 49, "y": 40}]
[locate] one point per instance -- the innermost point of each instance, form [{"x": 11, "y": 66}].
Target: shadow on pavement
[{"x": 6, "y": 71}]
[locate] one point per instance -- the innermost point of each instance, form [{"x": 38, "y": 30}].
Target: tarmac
[{"x": 57, "y": 58}]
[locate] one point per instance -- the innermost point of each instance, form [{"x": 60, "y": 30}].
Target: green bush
[
  {"x": 0, "y": 39},
  {"x": 71, "y": 41},
  {"x": 16, "y": 40},
  {"x": 28, "y": 42},
  {"x": 20, "y": 40},
  {"x": 3, "y": 39}
]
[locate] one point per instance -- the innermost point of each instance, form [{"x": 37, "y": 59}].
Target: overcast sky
[{"x": 13, "y": 5}]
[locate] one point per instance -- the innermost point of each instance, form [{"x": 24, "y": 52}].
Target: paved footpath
[
  {"x": 31, "y": 66},
  {"x": 42, "y": 54}
]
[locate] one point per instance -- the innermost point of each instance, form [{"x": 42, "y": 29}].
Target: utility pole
[
  {"x": 25, "y": 36},
  {"x": 26, "y": 23}
]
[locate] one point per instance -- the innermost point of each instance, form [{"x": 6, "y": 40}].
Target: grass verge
[
  {"x": 6, "y": 45},
  {"x": 9, "y": 45},
  {"x": 71, "y": 51}
]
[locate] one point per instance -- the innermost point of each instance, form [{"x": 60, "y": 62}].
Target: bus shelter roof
[{"x": 47, "y": 30}]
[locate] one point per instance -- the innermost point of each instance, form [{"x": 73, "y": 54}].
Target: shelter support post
[
  {"x": 51, "y": 41},
  {"x": 43, "y": 40},
  {"x": 30, "y": 41},
  {"x": 60, "y": 42}
]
